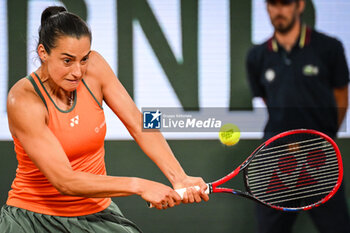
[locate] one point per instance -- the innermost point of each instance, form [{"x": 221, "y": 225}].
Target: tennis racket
[{"x": 294, "y": 170}]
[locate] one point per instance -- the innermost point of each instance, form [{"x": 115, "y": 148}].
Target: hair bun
[{"x": 50, "y": 11}]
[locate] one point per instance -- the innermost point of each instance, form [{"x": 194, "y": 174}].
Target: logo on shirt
[
  {"x": 152, "y": 119},
  {"x": 270, "y": 75},
  {"x": 98, "y": 128},
  {"x": 310, "y": 70},
  {"x": 74, "y": 121}
]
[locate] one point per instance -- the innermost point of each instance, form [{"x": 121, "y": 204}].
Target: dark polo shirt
[{"x": 298, "y": 85}]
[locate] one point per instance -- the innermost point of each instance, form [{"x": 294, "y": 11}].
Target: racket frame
[{"x": 214, "y": 186}]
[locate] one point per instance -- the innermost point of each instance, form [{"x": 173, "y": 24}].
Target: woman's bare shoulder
[
  {"x": 98, "y": 65},
  {"x": 22, "y": 100},
  {"x": 99, "y": 70},
  {"x": 22, "y": 92}
]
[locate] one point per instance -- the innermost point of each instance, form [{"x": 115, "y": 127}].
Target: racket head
[{"x": 295, "y": 170}]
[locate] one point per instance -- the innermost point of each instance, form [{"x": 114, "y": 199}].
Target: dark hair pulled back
[{"x": 56, "y": 22}]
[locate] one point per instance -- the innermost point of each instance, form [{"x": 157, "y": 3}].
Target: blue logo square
[{"x": 152, "y": 119}]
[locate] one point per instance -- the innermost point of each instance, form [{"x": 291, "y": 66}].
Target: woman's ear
[{"x": 42, "y": 53}]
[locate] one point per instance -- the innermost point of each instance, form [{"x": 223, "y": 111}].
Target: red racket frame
[{"x": 213, "y": 186}]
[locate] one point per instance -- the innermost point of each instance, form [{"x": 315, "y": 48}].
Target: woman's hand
[
  {"x": 192, "y": 194},
  {"x": 159, "y": 195}
]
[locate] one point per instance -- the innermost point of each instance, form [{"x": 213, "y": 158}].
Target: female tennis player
[{"x": 58, "y": 126}]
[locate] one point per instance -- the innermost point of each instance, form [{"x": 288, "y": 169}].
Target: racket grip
[{"x": 182, "y": 191}]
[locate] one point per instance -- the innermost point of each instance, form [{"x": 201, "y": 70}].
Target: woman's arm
[
  {"x": 152, "y": 143},
  {"x": 27, "y": 117}
]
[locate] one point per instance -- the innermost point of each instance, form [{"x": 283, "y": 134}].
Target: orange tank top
[{"x": 81, "y": 131}]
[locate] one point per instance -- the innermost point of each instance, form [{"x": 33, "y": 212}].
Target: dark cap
[{"x": 284, "y": 2}]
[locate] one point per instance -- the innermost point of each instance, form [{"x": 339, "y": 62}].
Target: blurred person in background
[{"x": 302, "y": 76}]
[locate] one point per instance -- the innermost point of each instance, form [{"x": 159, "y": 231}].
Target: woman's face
[{"x": 67, "y": 62}]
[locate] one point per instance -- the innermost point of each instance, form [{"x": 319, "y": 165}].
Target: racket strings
[
  {"x": 292, "y": 194},
  {"x": 293, "y": 171},
  {"x": 258, "y": 180},
  {"x": 300, "y": 197},
  {"x": 277, "y": 184},
  {"x": 292, "y": 148},
  {"x": 295, "y": 152},
  {"x": 293, "y": 143},
  {"x": 289, "y": 163},
  {"x": 283, "y": 171},
  {"x": 282, "y": 192},
  {"x": 329, "y": 178},
  {"x": 284, "y": 199}
]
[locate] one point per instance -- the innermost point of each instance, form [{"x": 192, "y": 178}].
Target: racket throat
[{"x": 210, "y": 188}]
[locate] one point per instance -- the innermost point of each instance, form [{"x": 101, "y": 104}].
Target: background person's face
[{"x": 284, "y": 16}]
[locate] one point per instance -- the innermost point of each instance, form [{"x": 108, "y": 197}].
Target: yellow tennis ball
[{"x": 229, "y": 134}]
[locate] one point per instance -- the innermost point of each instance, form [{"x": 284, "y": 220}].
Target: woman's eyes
[
  {"x": 85, "y": 59},
  {"x": 68, "y": 61}
]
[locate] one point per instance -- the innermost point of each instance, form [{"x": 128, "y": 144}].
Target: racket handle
[{"x": 182, "y": 191}]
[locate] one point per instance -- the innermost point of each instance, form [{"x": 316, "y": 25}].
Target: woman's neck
[{"x": 62, "y": 97}]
